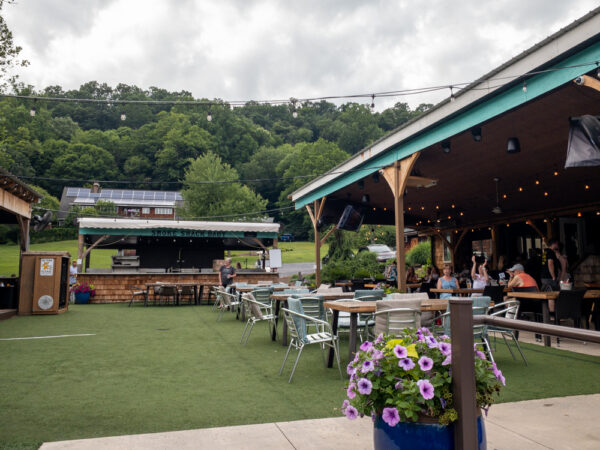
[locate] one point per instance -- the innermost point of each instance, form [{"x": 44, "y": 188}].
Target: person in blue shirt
[{"x": 447, "y": 281}]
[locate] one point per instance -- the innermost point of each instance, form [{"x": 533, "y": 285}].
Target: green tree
[
  {"x": 48, "y": 202},
  {"x": 9, "y": 53},
  {"x": 211, "y": 188}
]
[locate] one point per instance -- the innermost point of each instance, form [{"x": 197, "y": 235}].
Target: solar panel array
[{"x": 124, "y": 194}]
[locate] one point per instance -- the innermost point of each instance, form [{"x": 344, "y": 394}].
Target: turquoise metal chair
[
  {"x": 257, "y": 312},
  {"x": 297, "y": 322}
]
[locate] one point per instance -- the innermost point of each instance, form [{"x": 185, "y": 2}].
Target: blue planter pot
[
  {"x": 82, "y": 298},
  {"x": 421, "y": 435}
]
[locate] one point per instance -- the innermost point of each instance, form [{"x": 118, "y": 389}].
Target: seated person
[
  {"x": 518, "y": 277},
  {"x": 447, "y": 281},
  {"x": 411, "y": 276}
]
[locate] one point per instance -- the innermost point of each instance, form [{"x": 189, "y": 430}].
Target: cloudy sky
[{"x": 244, "y": 49}]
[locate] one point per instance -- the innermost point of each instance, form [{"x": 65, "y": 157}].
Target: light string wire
[{"x": 396, "y": 93}]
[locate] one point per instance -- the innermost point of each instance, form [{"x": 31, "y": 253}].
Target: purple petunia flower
[
  {"x": 350, "y": 370},
  {"x": 345, "y": 405},
  {"x": 390, "y": 416},
  {"x": 367, "y": 366},
  {"x": 426, "y": 389},
  {"x": 366, "y": 346},
  {"x": 447, "y": 361},
  {"x": 400, "y": 351},
  {"x": 350, "y": 391},
  {"x": 406, "y": 363},
  {"x": 425, "y": 363},
  {"x": 424, "y": 331},
  {"x": 377, "y": 354},
  {"x": 445, "y": 348},
  {"x": 431, "y": 342},
  {"x": 398, "y": 385},
  {"x": 443, "y": 402},
  {"x": 364, "y": 386},
  {"x": 499, "y": 376},
  {"x": 351, "y": 412},
  {"x": 443, "y": 337},
  {"x": 480, "y": 354},
  {"x": 379, "y": 338}
]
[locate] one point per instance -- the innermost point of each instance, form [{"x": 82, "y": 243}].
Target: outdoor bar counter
[{"x": 114, "y": 287}]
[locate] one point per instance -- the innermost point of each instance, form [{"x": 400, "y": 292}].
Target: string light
[
  {"x": 537, "y": 182},
  {"x": 525, "y": 86},
  {"x": 587, "y": 186},
  {"x": 32, "y": 111},
  {"x": 373, "y": 102},
  {"x": 520, "y": 189},
  {"x": 452, "y": 97},
  {"x": 123, "y": 116},
  {"x": 461, "y": 213},
  {"x": 504, "y": 196},
  {"x": 579, "y": 214},
  {"x": 545, "y": 194},
  {"x": 437, "y": 206},
  {"x": 555, "y": 173},
  {"x": 422, "y": 208},
  {"x": 209, "y": 116}
]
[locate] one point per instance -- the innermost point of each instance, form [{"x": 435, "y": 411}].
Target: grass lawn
[
  {"x": 175, "y": 368},
  {"x": 100, "y": 258},
  {"x": 9, "y": 255}
]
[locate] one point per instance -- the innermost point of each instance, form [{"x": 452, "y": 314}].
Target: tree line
[{"x": 257, "y": 152}]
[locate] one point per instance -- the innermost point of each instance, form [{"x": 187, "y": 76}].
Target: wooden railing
[{"x": 463, "y": 360}]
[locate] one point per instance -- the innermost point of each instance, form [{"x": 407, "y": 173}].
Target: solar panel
[
  {"x": 178, "y": 196},
  {"x": 138, "y": 195},
  {"x": 72, "y": 192},
  {"x": 160, "y": 196},
  {"x": 105, "y": 194},
  {"x": 117, "y": 194},
  {"x": 127, "y": 194},
  {"x": 148, "y": 195}
]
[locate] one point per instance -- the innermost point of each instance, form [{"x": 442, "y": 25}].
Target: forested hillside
[{"x": 152, "y": 146}]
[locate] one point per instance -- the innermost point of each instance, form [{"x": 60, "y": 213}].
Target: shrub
[{"x": 420, "y": 254}]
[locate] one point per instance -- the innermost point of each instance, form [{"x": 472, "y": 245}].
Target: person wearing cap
[{"x": 518, "y": 277}]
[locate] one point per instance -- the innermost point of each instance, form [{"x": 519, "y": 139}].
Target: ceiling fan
[{"x": 496, "y": 209}]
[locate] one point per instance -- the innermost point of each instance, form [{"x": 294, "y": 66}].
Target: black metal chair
[
  {"x": 529, "y": 309},
  {"x": 568, "y": 306},
  {"x": 590, "y": 312},
  {"x": 137, "y": 292},
  {"x": 426, "y": 287},
  {"x": 167, "y": 292},
  {"x": 496, "y": 293}
]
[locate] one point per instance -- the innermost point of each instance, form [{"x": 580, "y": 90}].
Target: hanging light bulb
[
  {"x": 525, "y": 86},
  {"x": 123, "y": 116},
  {"x": 372, "y": 102},
  {"x": 209, "y": 116},
  {"x": 32, "y": 111},
  {"x": 452, "y": 97},
  {"x": 295, "y": 114}
]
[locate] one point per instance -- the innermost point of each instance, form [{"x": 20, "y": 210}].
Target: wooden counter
[{"x": 115, "y": 287}]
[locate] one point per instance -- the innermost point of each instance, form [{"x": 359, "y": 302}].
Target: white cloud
[{"x": 238, "y": 50}]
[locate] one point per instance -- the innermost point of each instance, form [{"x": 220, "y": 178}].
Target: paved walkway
[{"x": 555, "y": 423}]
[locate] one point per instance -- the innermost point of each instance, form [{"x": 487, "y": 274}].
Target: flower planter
[
  {"x": 422, "y": 435},
  {"x": 82, "y": 298}
]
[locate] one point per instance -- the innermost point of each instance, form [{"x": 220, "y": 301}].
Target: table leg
[
  {"x": 274, "y": 332},
  {"x": 353, "y": 334},
  {"x": 147, "y": 295},
  {"x": 284, "y": 331},
  {"x": 334, "y": 329},
  {"x": 546, "y": 319},
  {"x": 198, "y": 293}
]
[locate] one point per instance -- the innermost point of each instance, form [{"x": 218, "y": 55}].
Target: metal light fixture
[
  {"x": 32, "y": 111},
  {"x": 365, "y": 198},
  {"x": 123, "y": 116},
  {"x": 476, "y": 133},
  {"x": 513, "y": 145},
  {"x": 209, "y": 116},
  {"x": 446, "y": 146}
]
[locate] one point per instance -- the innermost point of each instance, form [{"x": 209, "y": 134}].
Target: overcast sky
[{"x": 243, "y": 49}]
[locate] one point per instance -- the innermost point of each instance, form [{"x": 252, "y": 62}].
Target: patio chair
[
  {"x": 216, "y": 290},
  {"x": 508, "y": 310},
  {"x": 137, "y": 292},
  {"x": 425, "y": 288},
  {"x": 496, "y": 293},
  {"x": 312, "y": 306},
  {"x": 297, "y": 323},
  {"x": 480, "y": 307},
  {"x": 362, "y": 323},
  {"x": 567, "y": 306},
  {"x": 227, "y": 301},
  {"x": 188, "y": 292},
  {"x": 427, "y": 317},
  {"x": 295, "y": 291},
  {"x": 257, "y": 312},
  {"x": 590, "y": 312},
  {"x": 393, "y": 316},
  {"x": 167, "y": 292},
  {"x": 375, "y": 294}
]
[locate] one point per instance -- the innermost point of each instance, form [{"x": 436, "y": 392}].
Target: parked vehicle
[
  {"x": 286, "y": 237},
  {"x": 382, "y": 251}
]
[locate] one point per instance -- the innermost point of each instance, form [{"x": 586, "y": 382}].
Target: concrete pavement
[{"x": 553, "y": 423}]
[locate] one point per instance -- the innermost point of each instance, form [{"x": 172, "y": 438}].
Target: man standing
[
  {"x": 226, "y": 274},
  {"x": 551, "y": 267}
]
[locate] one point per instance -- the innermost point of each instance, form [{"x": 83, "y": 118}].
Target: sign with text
[{"x": 46, "y": 267}]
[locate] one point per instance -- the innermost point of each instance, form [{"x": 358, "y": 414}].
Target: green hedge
[{"x": 53, "y": 235}]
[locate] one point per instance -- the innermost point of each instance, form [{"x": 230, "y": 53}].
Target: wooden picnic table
[
  {"x": 354, "y": 308},
  {"x": 275, "y": 287},
  {"x": 544, "y": 297}
]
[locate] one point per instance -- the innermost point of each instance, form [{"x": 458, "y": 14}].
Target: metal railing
[{"x": 463, "y": 360}]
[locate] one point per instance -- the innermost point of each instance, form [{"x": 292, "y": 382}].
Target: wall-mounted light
[
  {"x": 513, "y": 145},
  {"x": 446, "y": 146},
  {"x": 365, "y": 198},
  {"x": 476, "y": 133}
]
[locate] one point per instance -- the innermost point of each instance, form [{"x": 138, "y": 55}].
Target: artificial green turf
[{"x": 174, "y": 368}]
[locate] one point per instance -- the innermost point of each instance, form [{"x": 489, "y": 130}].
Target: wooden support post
[
  {"x": 315, "y": 215},
  {"x": 275, "y": 242},
  {"x": 396, "y": 176},
  {"x": 23, "y": 232},
  {"x": 80, "y": 244},
  {"x": 463, "y": 373},
  {"x": 495, "y": 247}
]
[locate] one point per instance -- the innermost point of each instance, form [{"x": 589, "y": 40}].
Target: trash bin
[{"x": 8, "y": 299}]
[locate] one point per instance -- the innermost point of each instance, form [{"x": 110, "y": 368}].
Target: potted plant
[
  {"x": 405, "y": 384},
  {"x": 83, "y": 292}
]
